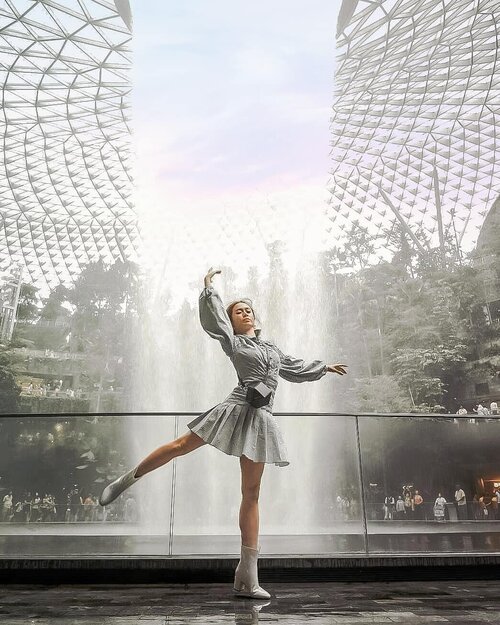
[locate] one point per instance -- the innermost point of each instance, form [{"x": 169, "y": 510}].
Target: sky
[{"x": 231, "y": 115}]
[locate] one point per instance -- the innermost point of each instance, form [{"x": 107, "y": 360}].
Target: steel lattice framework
[
  {"x": 65, "y": 184},
  {"x": 415, "y": 117}
]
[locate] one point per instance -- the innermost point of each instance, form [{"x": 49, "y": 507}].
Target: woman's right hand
[{"x": 210, "y": 274}]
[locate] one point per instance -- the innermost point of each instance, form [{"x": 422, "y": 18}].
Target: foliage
[
  {"x": 9, "y": 391},
  {"x": 87, "y": 452},
  {"x": 103, "y": 304},
  {"x": 53, "y": 306},
  {"x": 422, "y": 370},
  {"x": 417, "y": 318},
  {"x": 27, "y": 308},
  {"x": 359, "y": 247},
  {"x": 42, "y": 324},
  {"x": 100, "y": 300},
  {"x": 381, "y": 393},
  {"x": 95, "y": 317}
]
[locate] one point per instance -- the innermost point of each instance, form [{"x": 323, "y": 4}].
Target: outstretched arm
[
  {"x": 297, "y": 370},
  {"x": 213, "y": 315}
]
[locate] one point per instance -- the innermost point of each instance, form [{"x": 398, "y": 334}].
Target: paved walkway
[{"x": 460, "y": 603}]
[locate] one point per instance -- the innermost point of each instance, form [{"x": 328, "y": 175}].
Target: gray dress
[{"x": 233, "y": 426}]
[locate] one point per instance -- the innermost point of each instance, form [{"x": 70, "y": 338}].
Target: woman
[
  {"x": 439, "y": 508},
  {"x": 243, "y": 424}
]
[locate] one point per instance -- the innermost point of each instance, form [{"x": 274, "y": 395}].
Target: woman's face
[{"x": 242, "y": 318}]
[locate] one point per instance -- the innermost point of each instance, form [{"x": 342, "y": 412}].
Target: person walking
[{"x": 243, "y": 424}]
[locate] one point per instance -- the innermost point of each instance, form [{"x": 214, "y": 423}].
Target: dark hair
[{"x": 249, "y": 303}]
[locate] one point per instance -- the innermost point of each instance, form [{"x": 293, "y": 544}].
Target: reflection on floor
[{"x": 460, "y": 603}]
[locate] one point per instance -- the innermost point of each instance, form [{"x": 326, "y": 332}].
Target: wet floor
[{"x": 461, "y": 603}]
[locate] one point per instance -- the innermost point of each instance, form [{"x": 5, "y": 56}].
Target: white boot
[
  {"x": 116, "y": 488},
  {"x": 246, "y": 582}
]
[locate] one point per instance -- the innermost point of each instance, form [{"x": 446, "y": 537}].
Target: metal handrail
[
  {"x": 364, "y": 527},
  {"x": 370, "y": 415}
]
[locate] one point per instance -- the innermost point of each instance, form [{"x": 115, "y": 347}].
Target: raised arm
[
  {"x": 297, "y": 370},
  {"x": 213, "y": 315}
]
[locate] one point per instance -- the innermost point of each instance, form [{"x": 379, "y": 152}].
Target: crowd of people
[
  {"x": 480, "y": 410},
  {"x": 410, "y": 505},
  {"x": 73, "y": 506},
  {"x": 52, "y": 388}
]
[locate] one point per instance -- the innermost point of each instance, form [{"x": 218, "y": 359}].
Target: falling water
[
  {"x": 185, "y": 370},
  {"x": 226, "y": 205}
]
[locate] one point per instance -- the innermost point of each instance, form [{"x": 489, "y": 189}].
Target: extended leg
[
  {"x": 160, "y": 456},
  {"x": 181, "y": 446}
]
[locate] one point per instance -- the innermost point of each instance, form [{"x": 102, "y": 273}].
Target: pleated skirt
[{"x": 238, "y": 429}]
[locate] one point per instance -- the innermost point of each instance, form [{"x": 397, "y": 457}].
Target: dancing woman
[{"x": 243, "y": 424}]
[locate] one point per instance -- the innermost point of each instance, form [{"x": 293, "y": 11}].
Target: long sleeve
[
  {"x": 214, "y": 319},
  {"x": 296, "y": 370}
]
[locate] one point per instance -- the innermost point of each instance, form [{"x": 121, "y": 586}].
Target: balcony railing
[
  {"x": 47, "y": 354},
  {"x": 356, "y": 484}
]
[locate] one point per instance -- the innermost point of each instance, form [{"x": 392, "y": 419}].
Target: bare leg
[
  {"x": 246, "y": 577},
  {"x": 160, "y": 456},
  {"x": 181, "y": 446},
  {"x": 251, "y": 475}
]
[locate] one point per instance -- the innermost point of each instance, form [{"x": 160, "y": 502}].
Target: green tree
[
  {"x": 53, "y": 307},
  {"x": 26, "y": 315},
  {"x": 28, "y": 305},
  {"x": 9, "y": 391},
  {"x": 382, "y": 393},
  {"x": 413, "y": 318},
  {"x": 49, "y": 327},
  {"x": 104, "y": 303}
]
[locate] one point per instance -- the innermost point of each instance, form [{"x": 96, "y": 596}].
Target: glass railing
[{"x": 356, "y": 485}]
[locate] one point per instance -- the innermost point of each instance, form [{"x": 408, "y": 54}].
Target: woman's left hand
[{"x": 339, "y": 369}]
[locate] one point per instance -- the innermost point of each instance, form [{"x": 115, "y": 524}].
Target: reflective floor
[{"x": 461, "y": 603}]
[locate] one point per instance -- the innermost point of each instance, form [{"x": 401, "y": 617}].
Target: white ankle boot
[
  {"x": 246, "y": 582},
  {"x": 116, "y": 488}
]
